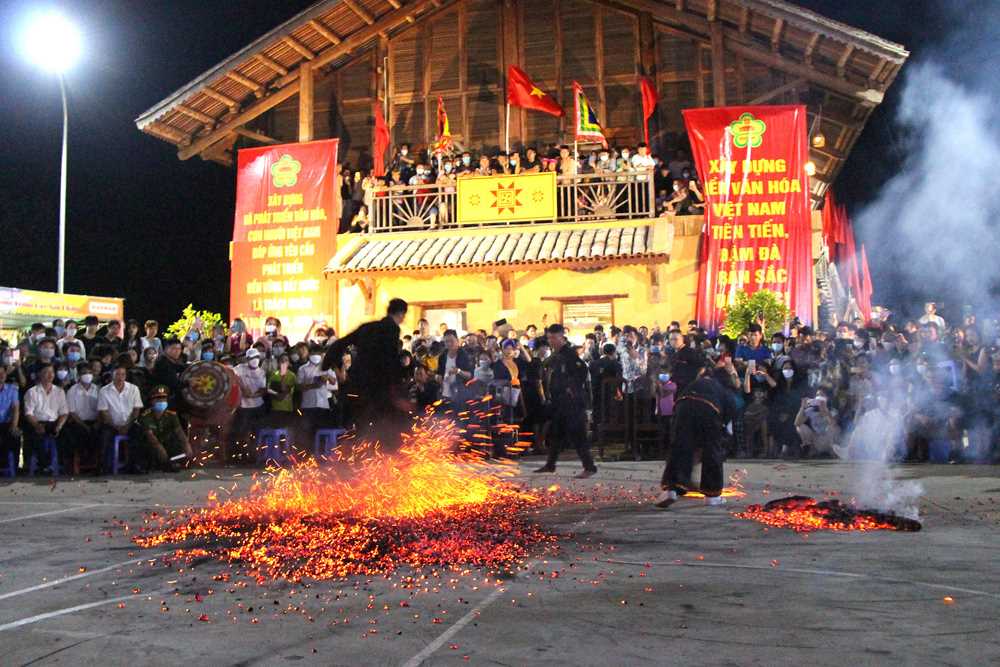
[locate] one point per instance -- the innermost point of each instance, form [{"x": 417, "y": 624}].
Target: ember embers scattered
[
  {"x": 805, "y": 515},
  {"x": 425, "y": 504}
]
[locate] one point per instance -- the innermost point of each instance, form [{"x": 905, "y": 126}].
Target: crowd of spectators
[
  {"x": 675, "y": 180},
  {"x": 915, "y": 390}
]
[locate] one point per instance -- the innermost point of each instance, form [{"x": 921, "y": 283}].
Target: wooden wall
[{"x": 462, "y": 52}]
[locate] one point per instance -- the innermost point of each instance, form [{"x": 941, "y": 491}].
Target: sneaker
[
  {"x": 545, "y": 469},
  {"x": 585, "y": 474},
  {"x": 666, "y": 499},
  {"x": 715, "y": 500}
]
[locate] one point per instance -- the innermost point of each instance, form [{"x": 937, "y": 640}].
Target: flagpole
[{"x": 506, "y": 139}]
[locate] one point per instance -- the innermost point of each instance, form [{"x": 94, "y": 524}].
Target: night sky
[{"x": 144, "y": 225}]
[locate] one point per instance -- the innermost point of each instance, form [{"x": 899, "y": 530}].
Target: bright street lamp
[{"x": 54, "y": 44}]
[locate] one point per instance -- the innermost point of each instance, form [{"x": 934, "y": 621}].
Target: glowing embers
[
  {"x": 369, "y": 513},
  {"x": 805, "y": 515}
]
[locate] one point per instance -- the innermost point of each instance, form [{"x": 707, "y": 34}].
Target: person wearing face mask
[
  {"x": 785, "y": 398},
  {"x": 465, "y": 165},
  {"x": 272, "y": 332},
  {"x": 207, "y": 351},
  {"x": 73, "y": 353},
  {"x": 70, "y": 337},
  {"x": 151, "y": 339},
  {"x": 317, "y": 386},
  {"x": 82, "y": 428},
  {"x": 665, "y": 392},
  {"x": 239, "y": 339},
  {"x": 119, "y": 405},
  {"x": 403, "y": 162},
  {"x": 169, "y": 366},
  {"x": 281, "y": 388},
  {"x": 253, "y": 387},
  {"x": 47, "y": 356},
  {"x": 63, "y": 376},
  {"x": 163, "y": 438}
]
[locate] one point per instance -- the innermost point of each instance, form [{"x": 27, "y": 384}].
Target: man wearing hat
[
  {"x": 164, "y": 438},
  {"x": 565, "y": 381}
]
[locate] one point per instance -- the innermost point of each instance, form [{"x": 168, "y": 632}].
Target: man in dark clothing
[
  {"x": 606, "y": 368},
  {"x": 168, "y": 368},
  {"x": 566, "y": 390},
  {"x": 700, "y": 415},
  {"x": 376, "y": 373}
]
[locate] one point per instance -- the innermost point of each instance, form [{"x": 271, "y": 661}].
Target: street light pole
[{"x": 62, "y": 188}]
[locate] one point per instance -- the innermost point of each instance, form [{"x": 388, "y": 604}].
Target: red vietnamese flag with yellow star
[{"x": 522, "y": 92}]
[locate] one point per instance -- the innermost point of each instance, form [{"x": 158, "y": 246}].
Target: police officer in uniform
[
  {"x": 701, "y": 413},
  {"x": 565, "y": 383},
  {"x": 164, "y": 437}
]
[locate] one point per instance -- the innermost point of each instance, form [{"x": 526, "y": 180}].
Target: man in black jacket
[
  {"x": 700, "y": 414},
  {"x": 565, "y": 381},
  {"x": 454, "y": 370},
  {"x": 376, "y": 373}
]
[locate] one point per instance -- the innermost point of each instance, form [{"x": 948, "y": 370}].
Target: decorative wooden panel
[
  {"x": 539, "y": 45},
  {"x": 405, "y": 52},
  {"x": 677, "y": 57},
  {"x": 484, "y": 123},
  {"x": 481, "y": 44}
]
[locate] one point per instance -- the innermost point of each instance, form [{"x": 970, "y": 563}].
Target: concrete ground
[{"x": 632, "y": 586}]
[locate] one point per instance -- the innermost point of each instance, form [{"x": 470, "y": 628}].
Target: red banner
[
  {"x": 287, "y": 213},
  {"x": 757, "y": 233}
]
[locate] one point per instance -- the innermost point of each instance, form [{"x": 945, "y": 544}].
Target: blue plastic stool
[
  {"x": 326, "y": 441},
  {"x": 11, "y": 469},
  {"x": 48, "y": 446},
  {"x": 269, "y": 444},
  {"x": 116, "y": 460}
]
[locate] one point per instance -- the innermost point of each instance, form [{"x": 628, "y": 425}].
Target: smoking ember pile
[
  {"x": 370, "y": 512},
  {"x": 805, "y": 515}
]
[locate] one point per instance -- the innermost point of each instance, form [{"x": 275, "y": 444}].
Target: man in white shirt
[
  {"x": 317, "y": 387},
  {"x": 45, "y": 414},
  {"x": 118, "y": 408},
  {"x": 253, "y": 387},
  {"x": 82, "y": 427}
]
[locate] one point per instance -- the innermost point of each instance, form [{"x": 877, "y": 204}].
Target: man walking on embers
[{"x": 701, "y": 413}]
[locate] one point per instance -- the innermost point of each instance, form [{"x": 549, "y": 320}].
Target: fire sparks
[
  {"x": 366, "y": 513},
  {"x": 805, "y": 515}
]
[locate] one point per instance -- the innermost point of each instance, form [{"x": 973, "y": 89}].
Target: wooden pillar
[
  {"x": 718, "y": 65},
  {"x": 507, "y": 291},
  {"x": 305, "y": 102}
]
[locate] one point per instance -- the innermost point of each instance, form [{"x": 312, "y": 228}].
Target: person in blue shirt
[
  {"x": 755, "y": 350},
  {"x": 10, "y": 414}
]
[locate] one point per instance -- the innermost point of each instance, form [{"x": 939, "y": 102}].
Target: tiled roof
[{"x": 593, "y": 246}]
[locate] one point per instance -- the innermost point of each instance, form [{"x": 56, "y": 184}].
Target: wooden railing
[{"x": 584, "y": 198}]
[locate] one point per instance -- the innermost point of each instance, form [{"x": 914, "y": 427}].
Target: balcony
[{"x": 579, "y": 199}]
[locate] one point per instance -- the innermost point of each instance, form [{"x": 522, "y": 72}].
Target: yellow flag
[{"x": 484, "y": 199}]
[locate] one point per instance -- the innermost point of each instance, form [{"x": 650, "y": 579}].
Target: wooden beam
[
  {"x": 868, "y": 96},
  {"x": 328, "y": 34},
  {"x": 506, "y": 281},
  {"x": 396, "y": 4},
  {"x": 306, "y": 113},
  {"x": 360, "y": 37},
  {"x": 807, "y": 56},
  {"x": 360, "y": 11},
  {"x": 240, "y": 119},
  {"x": 225, "y": 99},
  {"x": 272, "y": 64},
  {"x": 873, "y": 77},
  {"x": 718, "y": 65},
  {"x": 712, "y": 13},
  {"x": 303, "y": 50},
  {"x": 255, "y": 87},
  {"x": 780, "y": 90},
  {"x": 680, "y": 5},
  {"x": 842, "y": 63},
  {"x": 197, "y": 115},
  {"x": 171, "y": 134},
  {"x": 779, "y": 25},
  {"x": 256, "y": 136},
  {"x": 745, "y": 20}
]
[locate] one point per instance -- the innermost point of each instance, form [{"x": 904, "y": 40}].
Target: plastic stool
[
  {"x": 116, "y": 461},
  {"x": 11, "y": 469},
  {"x": 49, "y": 446},
  {"x": 326, "y": 440},
  {"x": 269, "y": 444}
]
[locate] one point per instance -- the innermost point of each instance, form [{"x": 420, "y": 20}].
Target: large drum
[{"x": 211, "y": 391}]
